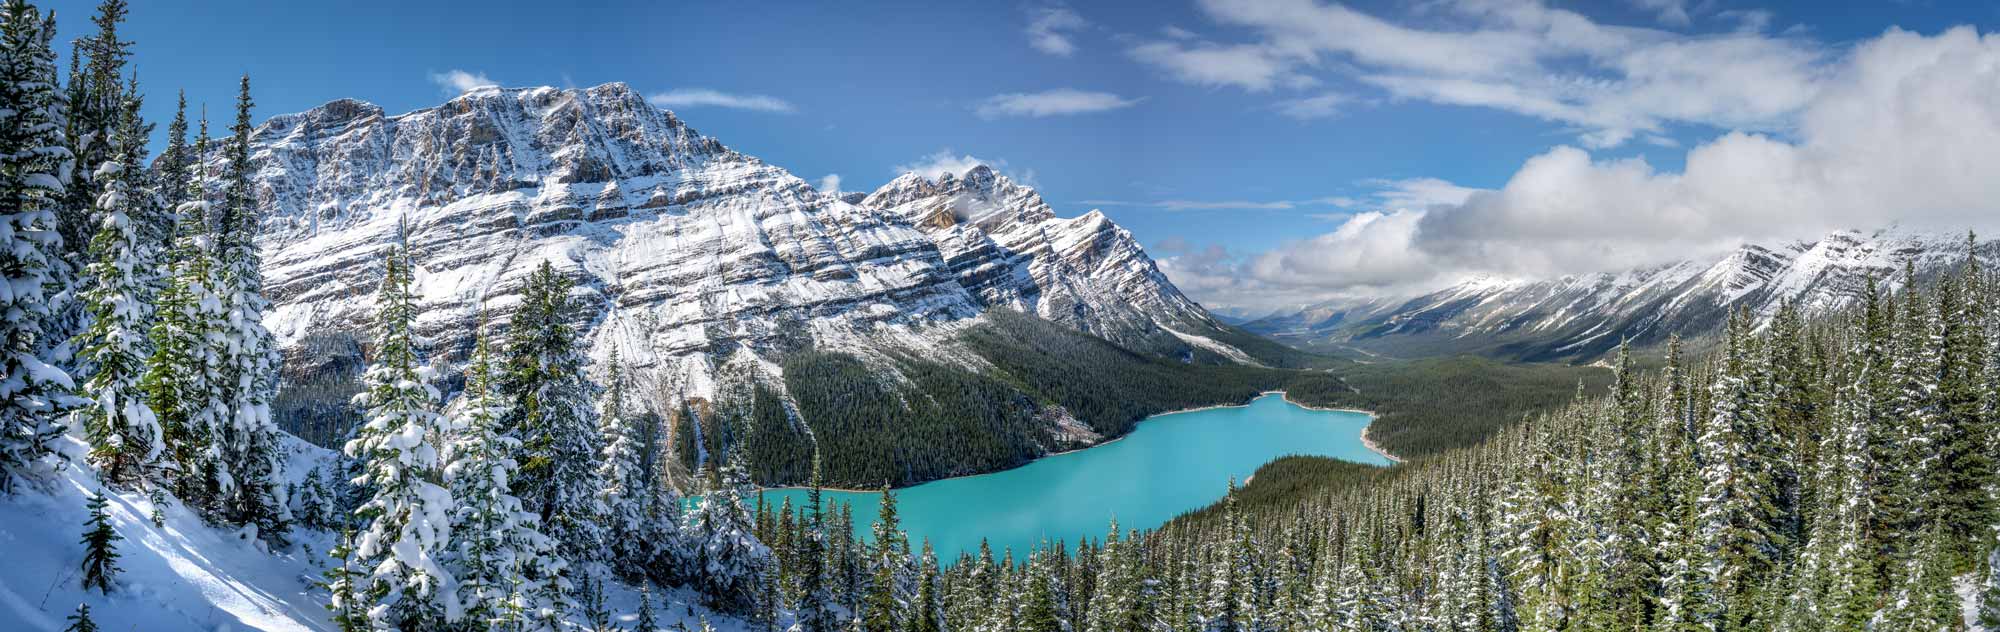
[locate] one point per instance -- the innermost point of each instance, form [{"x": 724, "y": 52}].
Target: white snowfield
[{"x": 183, "y": 575}]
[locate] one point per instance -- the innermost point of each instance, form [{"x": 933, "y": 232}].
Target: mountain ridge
[
  {"x": 1581, "y": 317},
  {"x": 702, "y": 266}
]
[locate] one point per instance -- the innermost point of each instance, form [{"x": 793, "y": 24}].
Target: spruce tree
[
  {"x": 80, "y": 621},
  {"x": 927, "y": 610},
  {"x": 125, "y": 436},
  {"x": 499, "y": 546},
  {"x": 730, "y": 562},
  {"x": 32, "y": 183},
  {"x": 881, "y": 608},
  {"x": 181, "y": 380},
  {"x": 816, "y": 609},
  {"x": 343, "y": 585},
  {"x": 551, "y": 415},
  {"x": 407, "y": 518},
  {"x": 100, "y": 552},
  {"x": 626, "y": 492},
  {"x": 250, "y": 356}
]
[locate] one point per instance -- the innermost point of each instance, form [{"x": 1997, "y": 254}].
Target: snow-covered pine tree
[
  {"x": 250, "y": 358},
  {"x": 882, "y": 605},
  {"x": 1737, "y": 507},
  {"x": 408, "y": 517},
  {"x": 80, "y": 621},
  {"x": 551, "y": 415},
  {"x": 343, "y": 585},
  {"x": 182, "y": 374},
  {"x": 125, "y": 438},
  {"x": 626, "y": 493},
  {"x": 730, "y": 562},
  {"x": 645, "y": 622},
  {"x": 100, "y": 547},
  {"x": 499, "y": 546},
  {"x": 817, "y": 610},
  {"x": 32, "y": 179},
  {"x": 927, "y": 609}
]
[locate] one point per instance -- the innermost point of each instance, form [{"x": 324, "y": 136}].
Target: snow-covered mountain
[
  {"x": 1005, "y": 245},
  {"x": 699, "y": 263},
  {"x": 1580, "y": 317}
]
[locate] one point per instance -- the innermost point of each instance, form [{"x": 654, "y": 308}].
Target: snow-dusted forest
[{"x": 1828, "y": 471}]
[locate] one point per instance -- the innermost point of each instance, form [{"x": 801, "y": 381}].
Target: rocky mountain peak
[{"x": 687, "y": 256}]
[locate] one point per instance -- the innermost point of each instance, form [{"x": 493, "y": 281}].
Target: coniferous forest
[{"x": 1834, "y": 471}]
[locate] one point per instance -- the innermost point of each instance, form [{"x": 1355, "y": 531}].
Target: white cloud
[
  {"x": 830, "y": 184},
  {"x": 1612, "y": 83},
  {"x": 1058, "y": 102},
  {"x": 1903, "y": 132},
  {"x": 1049, "y": 30},
  {"x": 704, "y": 97},
  {"x": 1670, "y": 12},
  {"x": 1307, "y": 108},
  {"x": 456, "y": 82},
  {"x": 1418, "y": 194},
  {"x": 944, "y": 161}
]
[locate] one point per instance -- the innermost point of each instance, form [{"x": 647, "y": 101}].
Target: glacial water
[{"x": 1169, "y": 464}]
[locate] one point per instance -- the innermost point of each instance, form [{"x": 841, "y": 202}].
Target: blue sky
[{"x": 1225, "y": 134}]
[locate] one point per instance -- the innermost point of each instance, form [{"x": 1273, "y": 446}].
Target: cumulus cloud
[
  {"x": 944, "y": 161},
  {"x": 1904, "y": 132},
  {"x": 830, "y": 184},
  {"x": 1049, "y": 30},
  {"x": 1058, "y": 102},
  {"x": 704, "y": 97},
  {"x": 1670, "y": 12},
  {"x": 1611, "y": 83},
  {"x": 456, "y": 82}
]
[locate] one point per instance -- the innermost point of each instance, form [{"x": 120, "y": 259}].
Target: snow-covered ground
[{"x": 183, "y": 575}]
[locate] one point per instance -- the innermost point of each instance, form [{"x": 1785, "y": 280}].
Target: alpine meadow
[{"x": 1035, "y": 316}]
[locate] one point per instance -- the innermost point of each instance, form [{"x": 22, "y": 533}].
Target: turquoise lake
[{"x": 1168, "y": 465}]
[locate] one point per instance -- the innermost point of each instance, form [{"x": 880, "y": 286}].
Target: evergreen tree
[
  {"x": 343, "y": 582},
  {"x": 730, "y": 562},
  {"x": 499, "y": 547},
  {"x": 927, "y": 611},
  {"x": 1736, "y": 506},
  {"x": 250, "y": 356},
  {"x": 626, "y": 493},
  {"x": 882, "y": 607},
  {"x": 816, "y": 610},
  {"x": 182, "y": 380},
  {"x": 125, "y": 436},
  {"x": 32, "y": 183},
  {"x": 551, "y": 415},
  {"x": 80, "y": 622},
  {"x": 407, "y": 518},
  {"x": 100, "y": 553}
]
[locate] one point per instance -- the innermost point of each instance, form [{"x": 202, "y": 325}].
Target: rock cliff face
[
  {"x": 699, "y": 263},
  {"x": 1004, "y": 244},
  {"x": 1580, "y": 317}
]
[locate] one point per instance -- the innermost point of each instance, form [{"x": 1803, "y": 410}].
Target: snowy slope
[
  {"x": 185, "y": 576},
  {"x": 1579, "y": 317}
]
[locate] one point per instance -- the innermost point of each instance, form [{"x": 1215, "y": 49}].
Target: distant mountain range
[
  {"x": 701, "y": 265},
  {"x": 1581, "y": 317}
]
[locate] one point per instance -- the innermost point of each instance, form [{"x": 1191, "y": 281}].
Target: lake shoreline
[{"x": 1365, "y": 441}]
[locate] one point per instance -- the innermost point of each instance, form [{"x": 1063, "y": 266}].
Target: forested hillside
[{"x": 1832, "y": 474}]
